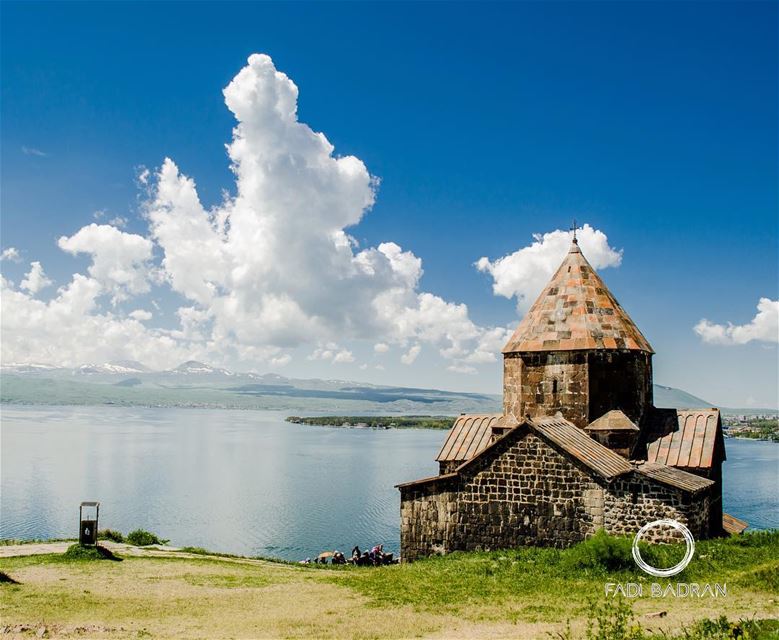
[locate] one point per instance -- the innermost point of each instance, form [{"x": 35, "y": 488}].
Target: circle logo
[{"x": 671, "y": 571}]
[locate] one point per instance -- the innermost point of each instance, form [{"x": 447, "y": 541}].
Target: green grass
[
  {"x": 77, "y": 552},
  {"x": 142, "y": 538},
  {"x": 240, "y": 581},
  {"x": 459, "y": 581},
  {"x": 110, "y": 534},
  {"x": 522, "y": 587},
  {"x": 615, "y": 620}
]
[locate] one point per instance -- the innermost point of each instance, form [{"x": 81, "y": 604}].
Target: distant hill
[
  {"x": 677, "y": 399},
  {"x": 196, "y": 384}
]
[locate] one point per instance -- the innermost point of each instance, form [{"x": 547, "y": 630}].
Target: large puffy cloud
[
  {"x": 69, "y": 329},
  {"x": 524, "y": 273},
  {"x": 120, "y": 261},
  {"x": 275, "y": 264},
  {"x": 269, "y": 269},
  {"x": 764, "y": 327}
]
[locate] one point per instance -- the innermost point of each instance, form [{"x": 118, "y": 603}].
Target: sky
[{"x": 379, "y": 191}]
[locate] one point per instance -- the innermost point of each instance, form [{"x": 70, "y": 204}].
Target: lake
[{"x": 248, "y": 482}]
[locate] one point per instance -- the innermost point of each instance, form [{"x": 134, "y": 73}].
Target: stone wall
[
  {"x": 543, "y": 383},
  {"x": 512, "y": 386},
  {"x": 426, "y": 514},
  {"x": 632, "y": 502},
  {"x": 619, "y": 380},
  {"x": 524, "y": 491},
  {"x": 581, "y": 385},
  {"x": 528, "y": 494}
]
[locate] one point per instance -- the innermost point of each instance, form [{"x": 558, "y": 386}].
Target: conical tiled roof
[
  {"x": 613, "y": 420},
  {"x": 576, "y": 311}
]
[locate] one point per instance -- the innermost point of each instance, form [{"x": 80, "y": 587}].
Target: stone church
[{"x": 579, "y": 445}]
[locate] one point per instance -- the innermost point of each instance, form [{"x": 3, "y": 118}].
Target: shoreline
[{"x": 305, "y": 419}]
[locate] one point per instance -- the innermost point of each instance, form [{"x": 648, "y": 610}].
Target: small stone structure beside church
[{"x": 579, "y": 445}]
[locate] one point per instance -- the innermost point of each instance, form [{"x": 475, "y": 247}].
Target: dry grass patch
[{"x": 197, "y": 598}]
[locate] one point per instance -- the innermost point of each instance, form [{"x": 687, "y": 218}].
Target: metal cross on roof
[{"x": 574, "y": 228}]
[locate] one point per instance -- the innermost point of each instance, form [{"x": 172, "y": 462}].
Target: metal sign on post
[{"x": 87, "y": 523}]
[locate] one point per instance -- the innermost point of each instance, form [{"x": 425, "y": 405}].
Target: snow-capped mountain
[
  {"x": 27, "y": 367},
  {"x": 195, "y": 367},
  {"x": 121, "y": 367}
]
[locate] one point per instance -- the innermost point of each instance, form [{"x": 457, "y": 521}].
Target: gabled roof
[
  {"x": 576, "y": 311},
  {"x": 673, "y": 476},
  {"x": 687, "y": 438},
  {"x": 565, "y": 435},
  {"x": 613, "y": 420},
  {"x": 557, "y": 430},
  {"x": 469, "y": 435},
  {"x": 733, "y": 525},
  {"x": 590, "y": 452},
  {"x": 430, "y": 480}
]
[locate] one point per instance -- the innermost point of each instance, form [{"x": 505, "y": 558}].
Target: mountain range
[{"x": 197, "y": 384}]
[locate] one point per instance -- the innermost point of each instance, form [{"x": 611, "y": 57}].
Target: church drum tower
[{"x": 577, "y": 352}]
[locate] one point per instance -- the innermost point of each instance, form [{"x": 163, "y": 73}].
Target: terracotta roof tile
[
  {"x": 684, "y": 438},
  {"x": 576, "y": 311},
  {"x": 673, "y": 477},
  {"x": 612, "y": 421},
  {"x": 469, "y": 435},
  {"x": 733, "y": 525},
  {"x": 576, "y": 442}
]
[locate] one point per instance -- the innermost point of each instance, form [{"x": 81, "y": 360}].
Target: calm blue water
[
  {"x": 246, "y": 481},
  {"x": 751, "y": 482}
]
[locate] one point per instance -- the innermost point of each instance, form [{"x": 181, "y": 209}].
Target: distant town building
[{"x": 579, "y": 445}]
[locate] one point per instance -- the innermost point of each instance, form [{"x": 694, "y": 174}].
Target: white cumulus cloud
[
  {"x": 269, "y": 269},
  {"x": 764, "y": 327},
  {"x": 411, "y": 355},
  {"x": 333, "y": 353},
  {"x": 119, "y": 222},
  {"x": 141, "y": 315},
  {"x": 462, "y": 368},
  {"x": 524, "y": 273},
  {"x": 11, "y": 254},
  {"x": 36, "y": 279},
  {"x": 70, "y": 330},
  {"x": 120, "y": 261}
]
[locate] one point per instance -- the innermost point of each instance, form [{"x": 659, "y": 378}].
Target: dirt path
[
  {"x": 33, "y": 549},
  {"x": 119, "y": 548},
  {"x": 42, "y": 548}
]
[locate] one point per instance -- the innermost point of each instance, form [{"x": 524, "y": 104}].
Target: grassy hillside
[{"x": 526, "y": 593}]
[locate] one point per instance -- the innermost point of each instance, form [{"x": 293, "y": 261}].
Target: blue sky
[{"x": 655, "y": 123}]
